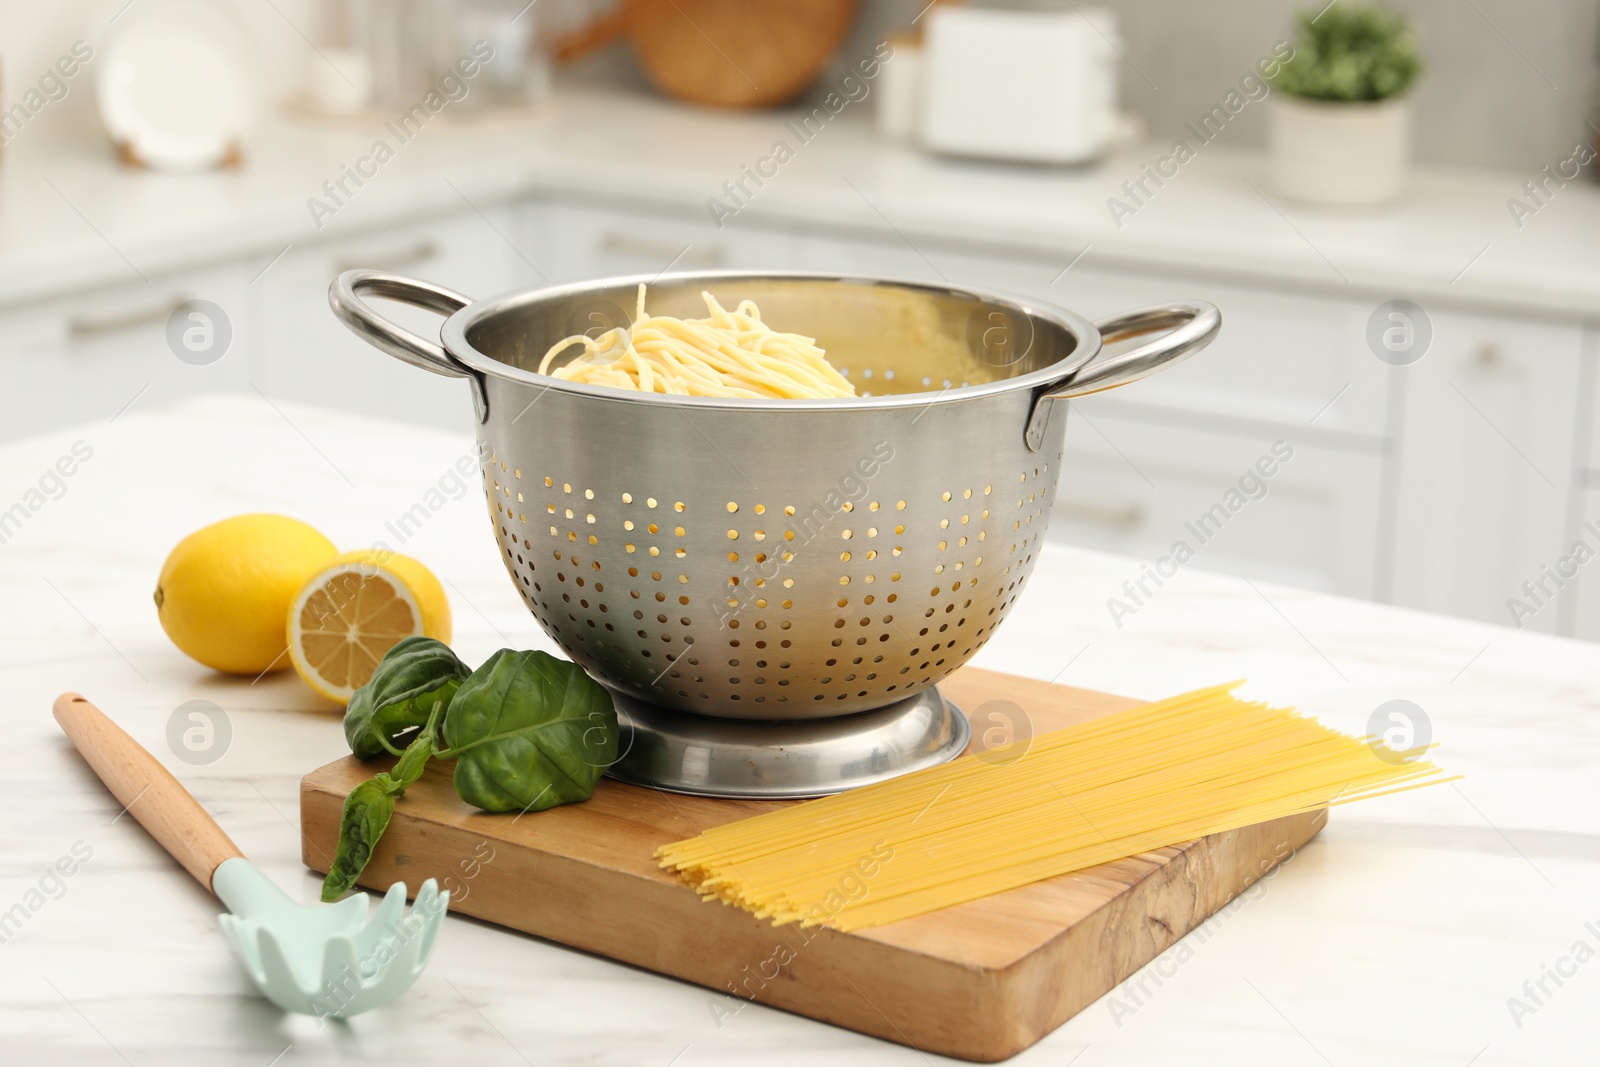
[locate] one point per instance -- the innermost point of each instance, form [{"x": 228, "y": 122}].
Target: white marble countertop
[
  {"x": 71, "y": 217},
  {"x": 1396, "y": 937}
]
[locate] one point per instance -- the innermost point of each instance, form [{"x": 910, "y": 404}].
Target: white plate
[{"x": 178, "y": 87}]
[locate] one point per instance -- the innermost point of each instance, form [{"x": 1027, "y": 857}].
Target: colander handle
[
  {"x": 1190, "y": 326},
  {"x": 345, "y": 296}
]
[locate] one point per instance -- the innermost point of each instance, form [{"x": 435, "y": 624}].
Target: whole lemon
[{"x": 225, "y": 590}]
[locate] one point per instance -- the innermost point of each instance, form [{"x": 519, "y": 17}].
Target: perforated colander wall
[{"x": 759, "y": 605}]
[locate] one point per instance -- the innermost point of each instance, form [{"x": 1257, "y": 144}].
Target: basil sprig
[
  {"x": 370, "y": 806},
  {"x": 528, "y": 731},
  {"x": 414, "y": 675}
]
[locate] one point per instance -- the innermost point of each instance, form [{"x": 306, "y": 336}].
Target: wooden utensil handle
[{"x": 147, "y": 790}]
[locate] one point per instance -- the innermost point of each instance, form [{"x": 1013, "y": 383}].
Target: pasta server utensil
[{"x": 325, "y": 959}]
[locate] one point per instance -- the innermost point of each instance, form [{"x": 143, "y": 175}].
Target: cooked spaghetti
[
  {"x": 728, "y": 354},
  {"x": 1130, "y": 782}
]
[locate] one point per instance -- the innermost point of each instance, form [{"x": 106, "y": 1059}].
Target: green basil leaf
[
  {"x": 412, "y": 677},
  {"x": 366, "y": 815},
  {"x": 529, "y": 731}
]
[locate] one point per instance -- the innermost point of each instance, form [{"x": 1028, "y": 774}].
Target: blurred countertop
[{"x": 72, "y": 217}]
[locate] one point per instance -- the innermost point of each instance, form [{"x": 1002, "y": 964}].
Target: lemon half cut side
[{"x": 354, "y": 610}]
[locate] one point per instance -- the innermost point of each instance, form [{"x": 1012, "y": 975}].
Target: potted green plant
[{"x": 1339, "y": 126}]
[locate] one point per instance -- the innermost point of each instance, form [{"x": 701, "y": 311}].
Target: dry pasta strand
[
  {"x": 727, "y": 354},
  {"x": 1146, "y": 778}
]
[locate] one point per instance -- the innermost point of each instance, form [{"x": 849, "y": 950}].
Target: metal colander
[{"x": 754, "y": 559}]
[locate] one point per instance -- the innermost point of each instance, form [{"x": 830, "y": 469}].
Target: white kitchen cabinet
[
  {"x": 574, "y": 241},
  {"x": 1483, "y": 469},
  {"x": 1288, "y": 359},
  {"x": 1578, "y": 599},
  {"x": 1443, "y": 485},
  {"x": 1143, "y": 460},
  {"x": 1283, "y": 358},
  {"x": 1142, "y": 489},
  {"x": 1573, "y": 577},
  {"x": 90, "y": 356},
  {"x": 308, "y": 355},
  {"x": 1589, "y": 416},
  {"x": 885, "y": 254}
]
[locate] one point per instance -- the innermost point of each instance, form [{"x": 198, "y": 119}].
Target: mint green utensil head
[{"x": 327, "y": 960}]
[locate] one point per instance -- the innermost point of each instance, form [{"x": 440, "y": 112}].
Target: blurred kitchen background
[{"x": 1410, "y": 286}]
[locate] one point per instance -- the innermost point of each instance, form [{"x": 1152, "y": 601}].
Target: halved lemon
[{"x": 357, "y": 608}]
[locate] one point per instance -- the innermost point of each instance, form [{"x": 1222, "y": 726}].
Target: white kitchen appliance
[{"x": 1029, "y": 85}]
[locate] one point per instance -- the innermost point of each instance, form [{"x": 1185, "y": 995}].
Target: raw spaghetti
[
  {"x": 1126, "y": 783},
  {"x": 728, "y": 354}
]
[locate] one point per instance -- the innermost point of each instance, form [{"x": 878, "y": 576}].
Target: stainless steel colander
[{"x": 777, "y": 559}]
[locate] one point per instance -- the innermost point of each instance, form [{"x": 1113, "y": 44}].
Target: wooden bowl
[{"x": 727, "y": 53}]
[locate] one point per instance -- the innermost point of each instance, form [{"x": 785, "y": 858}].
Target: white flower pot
[{"x": 1338, "y": 154}]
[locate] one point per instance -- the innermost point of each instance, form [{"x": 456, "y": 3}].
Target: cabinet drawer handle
[
  {"x": 628, "y": 245},
  {"x": 410, "y": 256},
  {"x": 1124, "y": 518},
  {"x": 80, "y": 326}
]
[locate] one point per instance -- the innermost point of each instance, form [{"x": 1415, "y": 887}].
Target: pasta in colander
[{"x": 728, "y": 354}]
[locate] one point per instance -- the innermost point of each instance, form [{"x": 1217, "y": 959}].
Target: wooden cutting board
[{"x": 981, "y": 981}]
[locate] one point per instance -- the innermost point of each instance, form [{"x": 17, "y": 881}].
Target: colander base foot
[{"x": 683, "y": 753}]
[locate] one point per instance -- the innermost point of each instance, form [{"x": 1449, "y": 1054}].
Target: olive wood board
[{"x": 979, "y": 981}]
